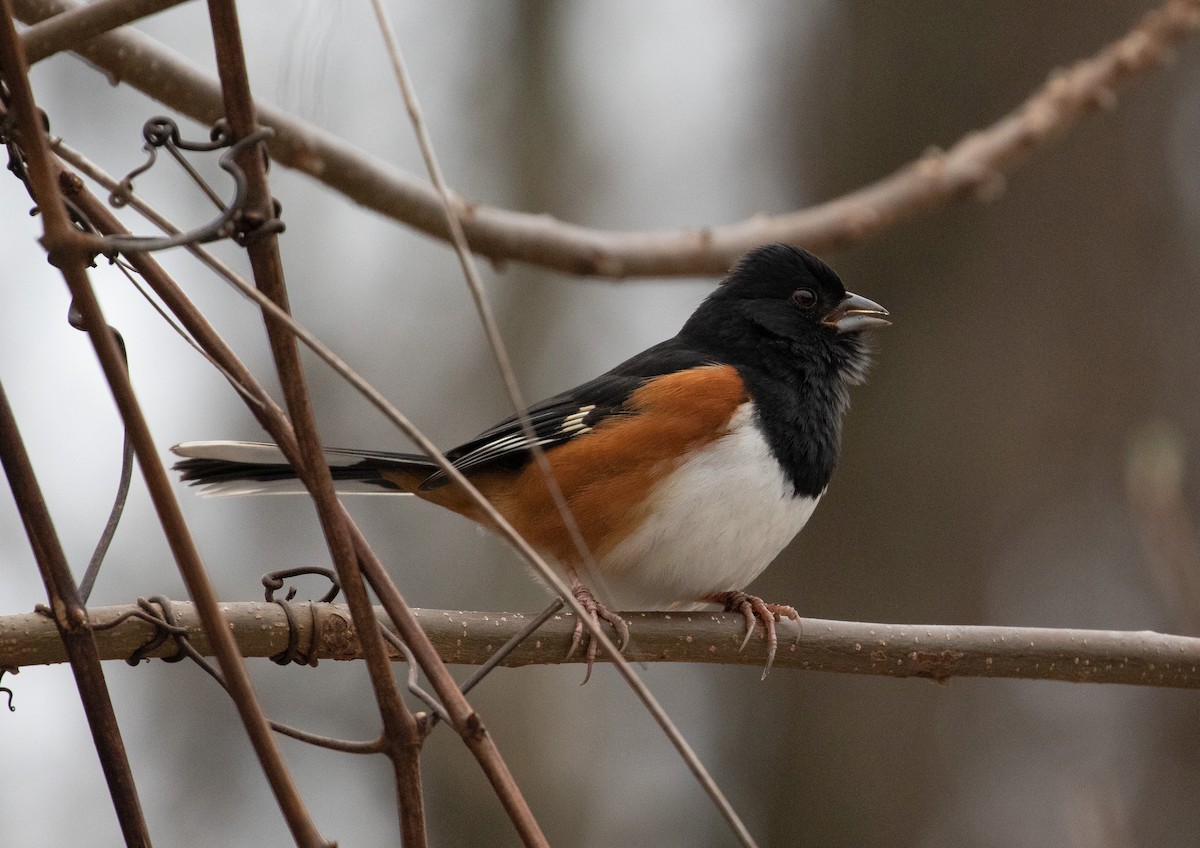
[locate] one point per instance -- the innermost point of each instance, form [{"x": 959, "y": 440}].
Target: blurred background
[{"x": 1021, "y": 451}]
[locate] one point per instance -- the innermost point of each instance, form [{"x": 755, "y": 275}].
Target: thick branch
[
  {"x": 935, "y": 651},
  {"x": 71, "y": 29},
  {"x": 972, "y": 169}
]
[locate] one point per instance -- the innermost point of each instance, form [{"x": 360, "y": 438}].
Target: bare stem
[
  {"x": 972, "y": 169},
  {"x": 74, "y": 28},
  {"x": 401, "y": 732},
  {"x": 72, "y": 629},
  {"x": 70, "y": 250},
  {"x": 500, "y": 353},
  {"x": 933, "y": 651}
]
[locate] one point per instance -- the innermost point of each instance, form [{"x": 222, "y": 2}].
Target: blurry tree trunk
[{"x": 880, "y": 85}]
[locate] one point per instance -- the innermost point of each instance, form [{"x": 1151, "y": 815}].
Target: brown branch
[
  {"x": 70, "y": 250},
  {"x": 934, "y": 651},
  {"x": 402, "y": 735},
  {"x": 464, "y": 719},
  {"x": 71, "y": 624},
  {"x": 273, "y": 420},
  {"x": 71, "y": 29},
  {"x": 973, "y": 168}
]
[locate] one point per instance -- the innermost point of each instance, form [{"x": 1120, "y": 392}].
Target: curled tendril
[
  {"x": 273, "y": 581},
  {"x": 6, "y": 691},
  {"x": 162, "y": 132}
]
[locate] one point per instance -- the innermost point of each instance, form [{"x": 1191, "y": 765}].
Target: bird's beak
[{"x": 856, "y": 313}]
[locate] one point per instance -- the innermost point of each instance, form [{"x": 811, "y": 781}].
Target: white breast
[{"x": 714, "y": 524}]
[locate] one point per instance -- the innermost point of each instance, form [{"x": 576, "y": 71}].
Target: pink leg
[
  {"x": 597, "y": 611},
  {"x": 752, "y": 607}
]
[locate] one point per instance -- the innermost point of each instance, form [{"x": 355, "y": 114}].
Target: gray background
[{"x": 982, "y": 479}]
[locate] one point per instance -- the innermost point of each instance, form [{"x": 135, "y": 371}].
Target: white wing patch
[
  {"x": 549, "y": 428},
  {"x": 573, "y": 423},
  {"x": 500, "y": 447}
]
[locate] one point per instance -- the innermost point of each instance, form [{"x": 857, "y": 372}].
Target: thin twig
[
  {"x": 273, "y": 420},
  {"x": 167, "y": 621},
  {"x": 483, "y": 307},
  {"x": 401, "y": 731},
  {"x": 69, "y": 249},
  {"x": 344, "y": 746},
  {"x": 197, "y": 330},
  {"x": 124, "y": 480},
  {"x": 498, "y": 658},
  {"x": 972, "y": 169},
  {"x": 465, "y": 721},
  {"x": 500, "y": 353},
  {"x": 932, "y": 651},
  {"x": 512, "y": 644},
  {"x": 73, "y": 635},
  {"x": 268, "y": 271}
]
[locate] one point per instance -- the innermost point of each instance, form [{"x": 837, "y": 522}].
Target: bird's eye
[{"x": 804, "y": 298}]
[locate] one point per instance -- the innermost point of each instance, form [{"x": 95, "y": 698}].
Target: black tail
[{"x": 258, "y": 468}]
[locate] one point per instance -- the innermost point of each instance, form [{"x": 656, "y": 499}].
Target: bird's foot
[
  {"x": 596, "y": 611},
  {"x": 751, "y": 608}
]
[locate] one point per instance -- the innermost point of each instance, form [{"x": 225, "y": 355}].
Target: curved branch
[
  {"x": 62, "y": 32},
  {"x": 972, "y": 169},
  {"x": 934, "y": 651}
]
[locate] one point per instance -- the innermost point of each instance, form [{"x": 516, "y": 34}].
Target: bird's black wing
[{"x": 572, "y": 413}]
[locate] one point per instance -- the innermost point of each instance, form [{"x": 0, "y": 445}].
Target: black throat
[{"x": 800, "y": 389}]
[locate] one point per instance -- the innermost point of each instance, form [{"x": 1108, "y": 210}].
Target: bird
[{"x": 686, "y": 469}]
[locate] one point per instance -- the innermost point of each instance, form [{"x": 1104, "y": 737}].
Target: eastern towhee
[{"x": 687, "y": 468}]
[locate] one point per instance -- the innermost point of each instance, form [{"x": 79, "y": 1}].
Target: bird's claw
[
  {"x": 597, "y": 611},
  {"x": 755, "y": 609}
]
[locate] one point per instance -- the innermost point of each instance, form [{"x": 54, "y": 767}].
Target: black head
[
  {"x": 785, "y": 294},
  {"x": 785, "y": 321}
]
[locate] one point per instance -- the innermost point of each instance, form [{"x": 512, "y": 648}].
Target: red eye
[{"x": 804, "y": 298}]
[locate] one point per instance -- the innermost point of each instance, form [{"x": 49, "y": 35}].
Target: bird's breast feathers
[{"x": 712, "y": 524}]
